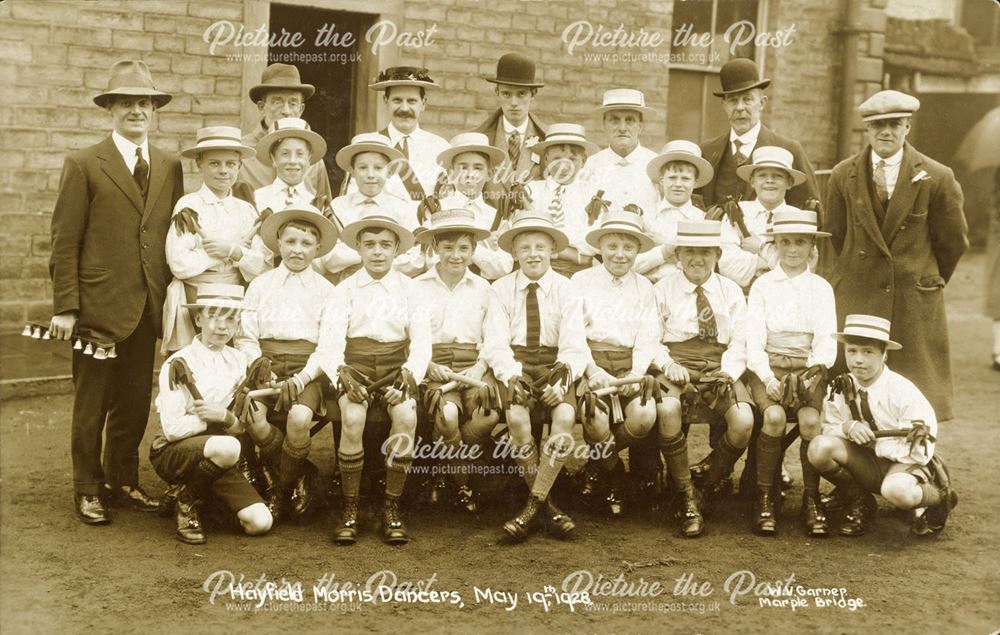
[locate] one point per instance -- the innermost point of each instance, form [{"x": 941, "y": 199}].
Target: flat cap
[{"x": 888, "y": 104}]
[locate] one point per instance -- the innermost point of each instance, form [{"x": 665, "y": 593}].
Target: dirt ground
[{"x": 57, "y": 575}]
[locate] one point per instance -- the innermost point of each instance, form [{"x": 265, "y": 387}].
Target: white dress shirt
[
  {"x": 660, "y": 224},
  {"x": 891, "y": 169},
  {"x": 574, "y": 208},
  {"x": 492, "y": 261},
  {"x": 560, "y": 319},
  {"x": 620, "y": 311},
  {"x": 386, "y": 310},
  {"x": 895, "y": 404},
  {"x": 623, "y": 179},
  {"x": 285, "y": 305},
  {"x": 423, "y": 148},
  {"x": 276, "y": 195},
  {"x": 748, "y": 140},
  {"x": 802, "y": 304},
  {"x": 677, "y": 304},
  {"x": 127, "y": 149}
]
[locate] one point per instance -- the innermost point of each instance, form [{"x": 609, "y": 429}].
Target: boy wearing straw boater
[
  {"x": 623, "y": 334},
  {"x": 286, "y": 310},
  {"x": 703, "y": 358},
  {"x": 368, "y": 159},
  {"x": 197, "y": 450},
  {"x": 470, "y": 160},
  {"x": 746, "y": 251},
  {"x": 562, "y": 195},
  {"x": 457, "y": 300},
  {"x": 536, "y": 346},
  {"x": 675, "y": 172},
  {"x": 210, "y": 240},
  {"x": 791, "y": 318},
  {"x": 879, "y": 436},
  {"x": 381, "y": 347}
]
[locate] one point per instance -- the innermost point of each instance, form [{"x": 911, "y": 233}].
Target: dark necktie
[
  {"x": 514, "y": 147},
  {"x": 741, "y": 158},
  {"x": 866, "y": 410},
  {"x": 403, "y": 146},
  {"x": 708, "y": 330},
  {"x": 534, "y": 326},
  {"x": 141, "y": 172}
]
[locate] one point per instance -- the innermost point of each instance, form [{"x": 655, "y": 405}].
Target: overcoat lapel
[
  {"x": 862, "y": 200},
  {"x": 157, "y": 177},
  {"x": 903, "y": 195}
]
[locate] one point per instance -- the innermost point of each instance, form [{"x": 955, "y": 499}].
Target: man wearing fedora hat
[
  {"x": 620, "y": 169},
  {"x": 743, "y": 100},
  {"x": 874, "y": 399},
  {"x": 404, "y": 92},
  {"x": 109, "y": 278},
  {"x": 513, "y": 127},
  {"x": 898, "y": 234},
  {"x": 280, "y": 94},
  {"x": 197, "y": 448}
]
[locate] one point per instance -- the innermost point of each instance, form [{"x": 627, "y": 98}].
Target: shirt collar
[
  {"x": 748, "y": 139},
  {"x": 209, "y": 197},
  {"x": 544, "y": 283},
  {"x": 686, "y": 208},
  {"x": 433, "y": 274},
  {"x": 689, "y": 287},
  {"x": 287, "y": 274},
  {"x": 609, "y": 279},
  {"x": 389, "y": 280},
  {"x": 891, "y": 162},
  {"x": 282, "y": 186},
  {"x": 395, "y": 135},
  {"x": 631, "y": 158},
  {"x": 878, "y": 386},
  {"x": 508, "y": 127},
  {"x": 127, "y": 147}
]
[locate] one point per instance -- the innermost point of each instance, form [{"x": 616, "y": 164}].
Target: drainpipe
[{"x": 845, "y": 126}]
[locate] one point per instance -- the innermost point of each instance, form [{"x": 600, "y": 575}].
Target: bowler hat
[
  {"x": 738, "y": 75},
  {"x": 131, "y": 78},
  {"x": 515, "y": 70}
]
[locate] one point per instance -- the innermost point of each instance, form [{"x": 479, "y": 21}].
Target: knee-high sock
[
  {"x": 840, "y": 477},
  {"x": 810, "y": 475},
  {"x": 292, "y": 460},
  {"x": 270, "y": 448},
  {"x": 768, "y": 458},
  {"x": 203, "y": 475},
  {"x": 675, "y": 455},
  {"x": 723, "y": 459},
  {"x": 930, "y": 495},
  {"x": 395, "y": 475},
  {"x": 454, "y": 443},
  {"x": 624, "y": 438},
  {"x": 526, "y": 458},
  {"x": 351, "y": 466},
  {"x": 609, "y": 452},
  {"x": 549, "y": 465}
]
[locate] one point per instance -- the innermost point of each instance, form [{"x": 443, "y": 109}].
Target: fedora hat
[
  {"x": 280, "y": 77},
  {"x": 565, "y": 134},
  {"x": 738, "y": 75},
  {"x": 888, "y": 104},
  {"x": 216, "y": 295},
  {"x": 681, "y": 150},
  {"x": 624, "y": 99},
  {"x": 218, "y": 138},
  {"x": 771, "y": 157},
  {"x": 452, "y": 220},
  {"x": 869, "y": 327},
  {"x": 470, "y": 142},
  {"x": 698, "y": 233},
  {"x": 290, "y": 127},
  {"x": 367, "y": 142},
  {"x": 272, "y": 225},
  {"x": 515, "y": 70},
  {"x": 379, "y": 218},
  {"x": 532, "y": 221},
  {"x": 403, "y": 76},
  {"x": 131, "y": 78},
  {"x": 620, "y": 223},
  {"x": 792, "y": 220}
]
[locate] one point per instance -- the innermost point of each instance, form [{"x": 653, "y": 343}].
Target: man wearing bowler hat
[
  {"x": 280, "y": 94},
  {"x": 109, "y": 279},
  {"x": 743, "y": 99}
]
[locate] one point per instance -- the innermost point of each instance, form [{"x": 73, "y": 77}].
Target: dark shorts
[
  {"x": 617, "y": 362},
  {"x": 701, "y": 405},
  {"x": 703, "y": 357},
  {"x": 869, "y": 470},
  {"x": 759, "y": 391},
  {"x": 458, "y": 357},
  {"x": 175, "y": 462},
  {"x": 376, "y": 360},
  {"x": 286, "y": 364},
  {"x": 536, "y": 363}
]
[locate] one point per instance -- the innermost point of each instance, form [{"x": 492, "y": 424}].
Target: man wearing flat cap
[
  {"x": 109, "y": 280},
  {"x": 898, "y": 231},
  {"x": 280, "y": 94},
  {"x": 743, "y": 100}
]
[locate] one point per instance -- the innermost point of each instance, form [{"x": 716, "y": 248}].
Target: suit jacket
[
  {"x": 493, "y": 128},
  {"x": 107, "y": 243},
  {"x": 898, "y": 269},
  {"x": 715, "y": 149}
]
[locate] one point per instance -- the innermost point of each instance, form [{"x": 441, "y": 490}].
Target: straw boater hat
[
  {"x": 532, "y": 221},
  {"x": 698, "y": 233},
  {"x": 272, "y": 225},
  {"x": 218, "y": 138},
  {"x": 565, "y": 134},
  {"x": 290, "y": 127},
  {"x": 771, "y": 157},
  {"x": 403, "y": 76},
  {"x": 888, "y": 104},
  {"x": 795, "y": 221},
  {"x": 453, "y": 220},
  {"x": 470, "y": 142},
  {"x": 739, "y": 75},
  {"x": 280, "y": 77},
  {"x": 515, "y": 70},
  {"x": 681, "y": 150},
  {"x": 367, "y": 142},
  {"x": 131, "y": 78},
  {"x": 624, "y": 99},
  {"x": 216, "y": 295},
  {"x": 378, "y": 219},
  {"x": 620, "y": 223},
  {"x": 869, "y": 327}
]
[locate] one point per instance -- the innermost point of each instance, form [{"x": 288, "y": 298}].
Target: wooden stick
[
  {"x": 264, "y": 392},
  {"x": 463, "y": 379}
]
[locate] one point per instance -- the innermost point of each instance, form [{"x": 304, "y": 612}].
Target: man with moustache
[
  {"x": 109, "y": 280},
  {"x": 743, "y": 100}
]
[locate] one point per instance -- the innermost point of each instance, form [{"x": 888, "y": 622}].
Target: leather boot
[
  {"x": 560, "y": 525},
  {"x": 859, "y": 515},
  {"x": 526, "y": 522},
  {"x": 692, "y": 522},
  {"x": 465, "y": 498},
  {"x": 813, "y": 517},
  {"x": 614, "y": 500},
  {"x": 393, "y": 529},
  {"x": 765, "y": 518},
  {"x": 302, "y": 494},
  {"x": 347, "y": 532},
  {"x": 189, "y": 528},
  {"x": 591, "y": 478}
]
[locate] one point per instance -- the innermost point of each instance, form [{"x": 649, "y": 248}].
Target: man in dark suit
[
  {"x": 898, "y": 232},
  {"x": 743, "y": 99},
  {"x": 109, "y": 278}
]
